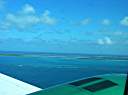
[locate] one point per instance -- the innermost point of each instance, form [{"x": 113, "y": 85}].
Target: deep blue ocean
[{"x": 45, "y": 70}]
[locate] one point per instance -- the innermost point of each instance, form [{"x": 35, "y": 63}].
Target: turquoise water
[{"x": 46, "y": 71}]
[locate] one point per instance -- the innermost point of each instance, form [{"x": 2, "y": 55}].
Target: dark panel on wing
[
  {"x": 100, "y": 86},
  {"x": 84, "y": 81}
]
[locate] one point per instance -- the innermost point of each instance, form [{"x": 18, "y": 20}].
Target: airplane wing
[
  {"x": 11, "y": 86},
  {"x": 99, "y": 85}
]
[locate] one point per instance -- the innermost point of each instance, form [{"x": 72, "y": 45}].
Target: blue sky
[{"x": 69, "y": 26}]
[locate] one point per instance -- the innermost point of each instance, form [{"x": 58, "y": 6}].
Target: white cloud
[
  {"x": 101, "y": 42},
  {"x": 106, "y": 22},
  {"x": 28, "y": 9},
  {"x": 21, "y": 21},
  {"x": 124, "y": 21},
  {"x": 47, "y": 19},
  {"x": 85, "y": 21},
  {"x": 26, "y": 18},
  {"x": 105, "y": 41},
  {"x": 108, "y": 40}
]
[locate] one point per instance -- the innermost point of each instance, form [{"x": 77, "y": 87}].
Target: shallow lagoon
[{"x": 45, "y": 71}]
